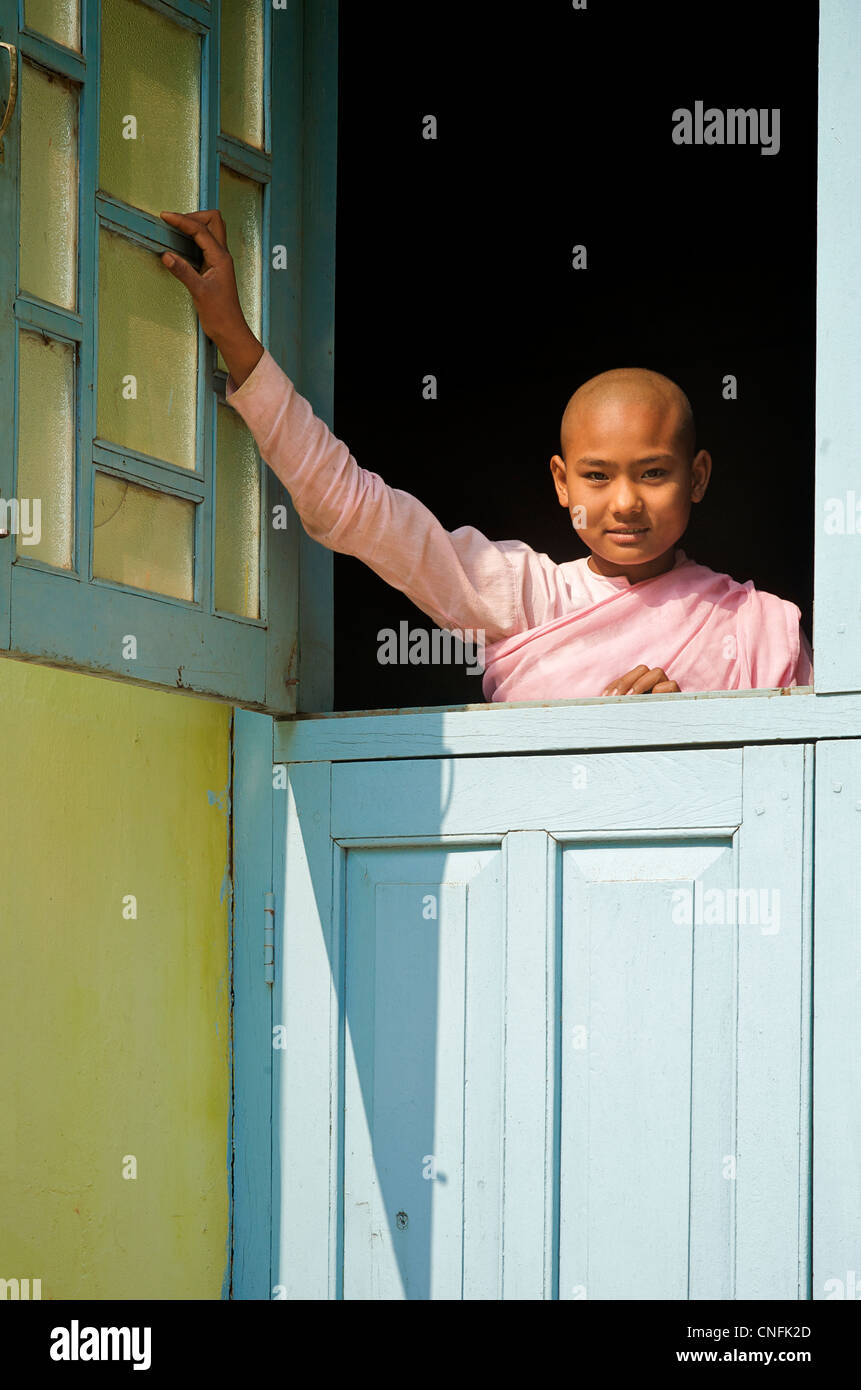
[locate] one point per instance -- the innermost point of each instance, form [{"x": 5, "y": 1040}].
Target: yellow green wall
[{"x": 114, "y": 1033}]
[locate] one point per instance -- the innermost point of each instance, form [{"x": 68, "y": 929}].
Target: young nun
[{"x": 635, "y": 616}]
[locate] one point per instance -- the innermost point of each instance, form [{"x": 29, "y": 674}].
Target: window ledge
[{"x": 706, "y": 719}]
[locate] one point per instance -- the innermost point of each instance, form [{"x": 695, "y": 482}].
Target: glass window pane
[
  {"x": 150, "y": 108},
  {"x": 49, "y": 187},
  {"x": 46, "y": 448},
  {"x": 56, "y": 19},
  {"x": 147, "y": 384},
  {"x": 242, "y": 70},
  {"x": 237, "y": 517},
  {"x": 142, "y": 537},
  {"x": 241, "y": 203}
]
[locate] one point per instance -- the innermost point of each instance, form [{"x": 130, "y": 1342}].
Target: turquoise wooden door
[
  {"x": 546, "y": 1027},
  {"x": 160, "y": 549}
]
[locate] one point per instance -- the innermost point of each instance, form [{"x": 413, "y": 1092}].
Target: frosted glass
[
  {"x": 241, "y": 203},
  {"x": 242, "y": 70},
  {"x": 151, "y": 72},
  {"x": 237, "y": 517},
  {"x": 46, "y": 446},
  {"x": 49, "y": 187},
  {"x": 143, "y": 538},
  {"x": 56, "y": 19},
  {"x": 148, "y": 332}
]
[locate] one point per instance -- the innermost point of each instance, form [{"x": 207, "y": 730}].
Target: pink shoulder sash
[{"x": 707, "y": 631}]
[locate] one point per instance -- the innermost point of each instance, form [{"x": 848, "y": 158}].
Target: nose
[{"x": 625, "y": 500}]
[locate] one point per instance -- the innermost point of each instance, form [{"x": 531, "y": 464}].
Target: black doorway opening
[{"x": 454, "y": 259}]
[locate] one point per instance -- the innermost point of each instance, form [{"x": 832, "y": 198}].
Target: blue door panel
[
  {"x": 565, "y": 1053},
  {"x": 647, "y": 1005},
  {"x": 423, "y": 1175}
]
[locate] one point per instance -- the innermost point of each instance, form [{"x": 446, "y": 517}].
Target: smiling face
[{"x": 628, "y": 477}]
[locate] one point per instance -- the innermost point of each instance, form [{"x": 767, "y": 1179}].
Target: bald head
[{"x": 617, "y": 392}]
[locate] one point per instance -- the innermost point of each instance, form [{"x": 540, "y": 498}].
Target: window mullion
[
  {"x": 149, "y": 472},
  {"x": 206, "y": 352},
  {"x": 87, "y": 282}
]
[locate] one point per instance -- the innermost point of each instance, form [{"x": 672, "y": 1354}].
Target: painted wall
[{"x": 114, "y": 1032}]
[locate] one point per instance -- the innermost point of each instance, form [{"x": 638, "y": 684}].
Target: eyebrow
[{"x": 650, "y": 458}]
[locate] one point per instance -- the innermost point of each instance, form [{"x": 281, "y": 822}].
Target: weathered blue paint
[
  {"x": 300, "y": 216},
  {"x": 284, "y": 309},
  {"x": 70, "y": 618},
  {"x": 317, "y": 376}
]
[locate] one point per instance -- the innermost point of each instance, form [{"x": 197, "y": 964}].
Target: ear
[
  {"x": 701, "y": 470},
  {"x": 560, "y": 479}
]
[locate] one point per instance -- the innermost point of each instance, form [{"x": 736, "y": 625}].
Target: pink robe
[
  {"x": 705, "y": 630},
  {"x": 551, "y": 631}
]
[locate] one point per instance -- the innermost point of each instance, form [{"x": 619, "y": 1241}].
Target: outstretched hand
[
  {"x": 642, "y": 681},
  {"x": 213, "y": 290}
]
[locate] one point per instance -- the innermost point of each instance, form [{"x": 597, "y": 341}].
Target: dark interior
[{"x": 454, "y": 258}]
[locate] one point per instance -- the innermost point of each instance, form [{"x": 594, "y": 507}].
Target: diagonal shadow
[{"x": 389, "y": 906}]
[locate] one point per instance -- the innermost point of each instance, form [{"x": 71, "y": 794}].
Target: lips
[{"x": 628, "y": 531}]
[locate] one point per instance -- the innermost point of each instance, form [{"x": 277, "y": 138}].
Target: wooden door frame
[{"x": 305, "y": 62}]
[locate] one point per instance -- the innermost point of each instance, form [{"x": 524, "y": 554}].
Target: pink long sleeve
[{"x": 459, "y": 578}]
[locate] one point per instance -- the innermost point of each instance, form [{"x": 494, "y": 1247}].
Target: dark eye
[
  {"x": 660, "y": 471},
  {"x": 595, "y": 474}
]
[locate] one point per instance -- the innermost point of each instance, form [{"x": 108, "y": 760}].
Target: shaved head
[{"x": 621, "y": 389}]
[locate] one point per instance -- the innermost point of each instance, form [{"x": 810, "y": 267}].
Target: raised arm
[{"x": 459, "y": 578}]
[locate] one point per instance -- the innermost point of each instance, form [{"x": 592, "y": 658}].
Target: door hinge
[{"x": 269, "y": 938}]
